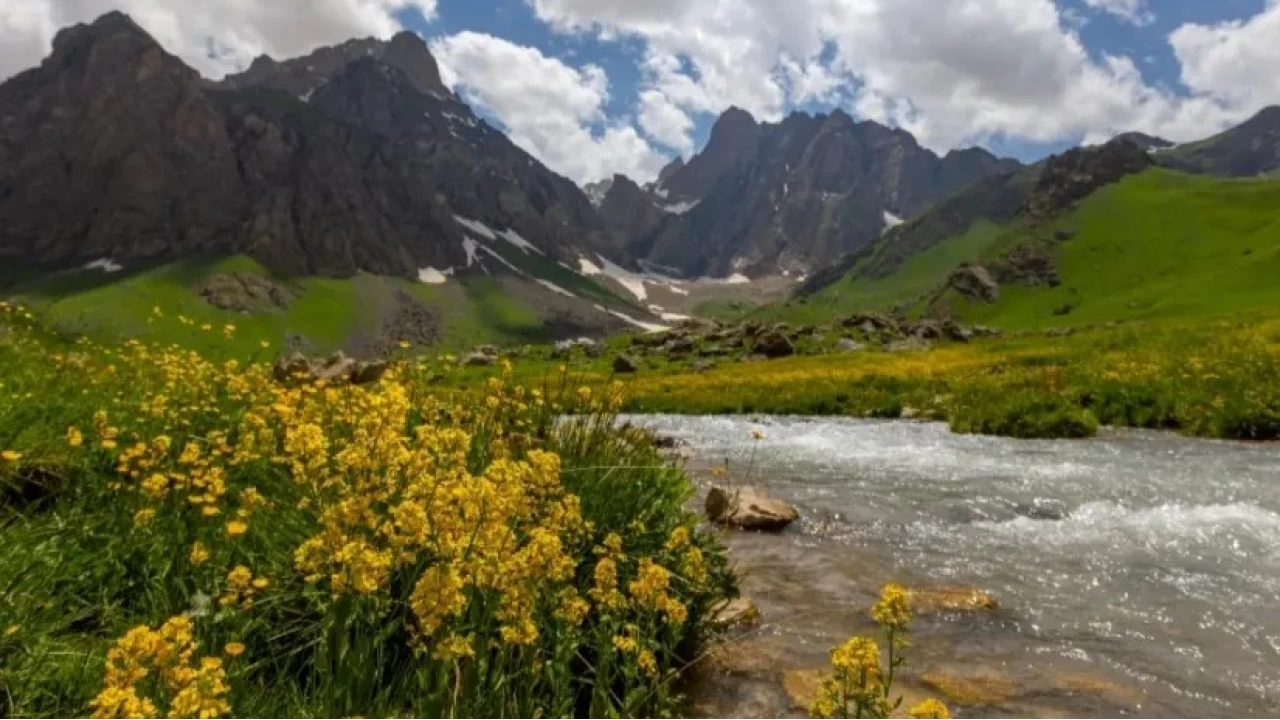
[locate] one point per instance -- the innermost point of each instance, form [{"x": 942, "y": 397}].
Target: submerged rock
[
  {"x": 952, "y": 599},
  {"x": 983, "y": 689},
  {"x": 749, "y": 509}
]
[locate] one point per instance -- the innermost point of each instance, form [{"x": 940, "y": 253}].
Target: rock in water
[
  {"x": 749, "y": 509},
  {"x": 952, "y": 599},
  {"x": 739, "y": 612}
]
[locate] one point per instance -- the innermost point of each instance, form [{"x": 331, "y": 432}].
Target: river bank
[{"x": 1135, "y": 572}]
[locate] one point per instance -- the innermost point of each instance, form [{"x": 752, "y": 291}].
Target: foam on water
[{"x": 1151, "y": 556}]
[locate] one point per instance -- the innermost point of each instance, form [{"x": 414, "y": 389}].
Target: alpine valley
[{"x": 349, "y": 200}]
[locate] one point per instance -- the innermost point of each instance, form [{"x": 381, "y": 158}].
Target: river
[{"x": 1137, "y": 573}]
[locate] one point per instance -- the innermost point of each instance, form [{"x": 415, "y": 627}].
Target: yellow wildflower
[
  {"x": 12, "y": 456},
  {"x": 234, "y": 649},
  {"x": 930, "y": 709},
  {"x": 236, "y": 528},
  {"x": 893, "y": 611}
]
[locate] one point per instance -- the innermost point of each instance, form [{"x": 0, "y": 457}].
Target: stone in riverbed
[
  {"x": 985, "y": 689},
  {"x": 801, "y": 687},
  {"x": 748, "y": 509},
  {"x": 739, "y": 612},
  {"x": 952, "y": 599}
]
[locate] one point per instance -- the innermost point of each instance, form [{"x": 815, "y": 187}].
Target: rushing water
[{"x": 1147, "y": 564}]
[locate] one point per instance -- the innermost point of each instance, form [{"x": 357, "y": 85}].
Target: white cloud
[
  {"x": 952, "y": 72},
  {"x": 1133, "y": 11},
  {"x": 548, "y": 107},
  {"x": 665, "y": 122},
  {"x": 1233, "y": 60},
  {"x": 214, "y": 36}
]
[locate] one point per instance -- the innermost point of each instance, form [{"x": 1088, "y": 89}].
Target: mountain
[
  {"x": 765, "y": 198},
  {"x": 354, "y": 159},
  {"x": 1096, "y": 234},
  {"x": 1145, "y": 142},
  {"x": 1250, "y": 149},
  {"x": 301, "y": 76}
]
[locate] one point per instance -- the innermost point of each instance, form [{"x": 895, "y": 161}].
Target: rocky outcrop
[
  {"x": 244, "y": 292},
  {"x": 773, "y": 344},
  {"x": 748, "y": 509},
  {"x": 1068, "y": 178},
  {"x": 337, "y": 368},
  {"x": 625, "y": 365},
  {"x": 975, "y": 283}
]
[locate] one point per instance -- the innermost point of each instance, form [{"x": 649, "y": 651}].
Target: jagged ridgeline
[
  {"x": 351, "y": 179},
  {"x": 1138, "y": 228}
]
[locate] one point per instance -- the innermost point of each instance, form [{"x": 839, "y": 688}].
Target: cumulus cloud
[
  {"x": 214, "y": 36},
  {"x": 1233, "y": 60},
  {"x": 1133, "y": 11},
  {"x": 953, "y": 73},
  {"x": 549, "y": 108}
]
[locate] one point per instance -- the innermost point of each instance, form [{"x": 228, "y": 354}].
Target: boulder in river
[
  {"x": 738, "y": 612},
  {"x": 748, "y": 509}
]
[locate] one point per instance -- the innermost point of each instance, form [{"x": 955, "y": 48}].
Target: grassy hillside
[
  {"x": 322, "y": 315},
  {"x": 1156, "y": 245}
]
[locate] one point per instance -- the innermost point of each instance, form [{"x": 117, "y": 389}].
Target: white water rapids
[{"x": 1147, "y": 560}]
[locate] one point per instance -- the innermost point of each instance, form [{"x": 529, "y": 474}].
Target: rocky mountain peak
[
  {"x": 408, "y": 51},
  {"x": 734, "y": 139},
  {"x": 302, "y": 76}
]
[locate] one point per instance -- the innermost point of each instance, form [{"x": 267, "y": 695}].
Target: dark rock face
[
  {"x": 1070, "y": 177},
  {"x": 111, "y": 149},
  {"x": 798, "y": 194},
  {"x": 1247, "y": 150},
  {"x": 353, "y": 158},
  {"x": 629, "y": 210},
  {"x": 301, "y": 76}
]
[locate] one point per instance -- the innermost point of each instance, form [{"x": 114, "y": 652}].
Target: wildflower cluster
[
  {"x": 860, "y": 683},
  {"x": 153, "y": 670},
  {"x": 391, "y": 548}
]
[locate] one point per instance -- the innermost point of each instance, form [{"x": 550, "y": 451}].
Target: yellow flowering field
[
  {"x": 188, "y": 537},
  {"x": 1216, "y": 379}
]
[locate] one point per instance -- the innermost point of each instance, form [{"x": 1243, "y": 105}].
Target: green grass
[
  {"x": 541, "y": 518},
  {"x": 1158, "y": 245},
  {"x": 328, "y": 313},
  {"x": 918, "y": 277}
]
